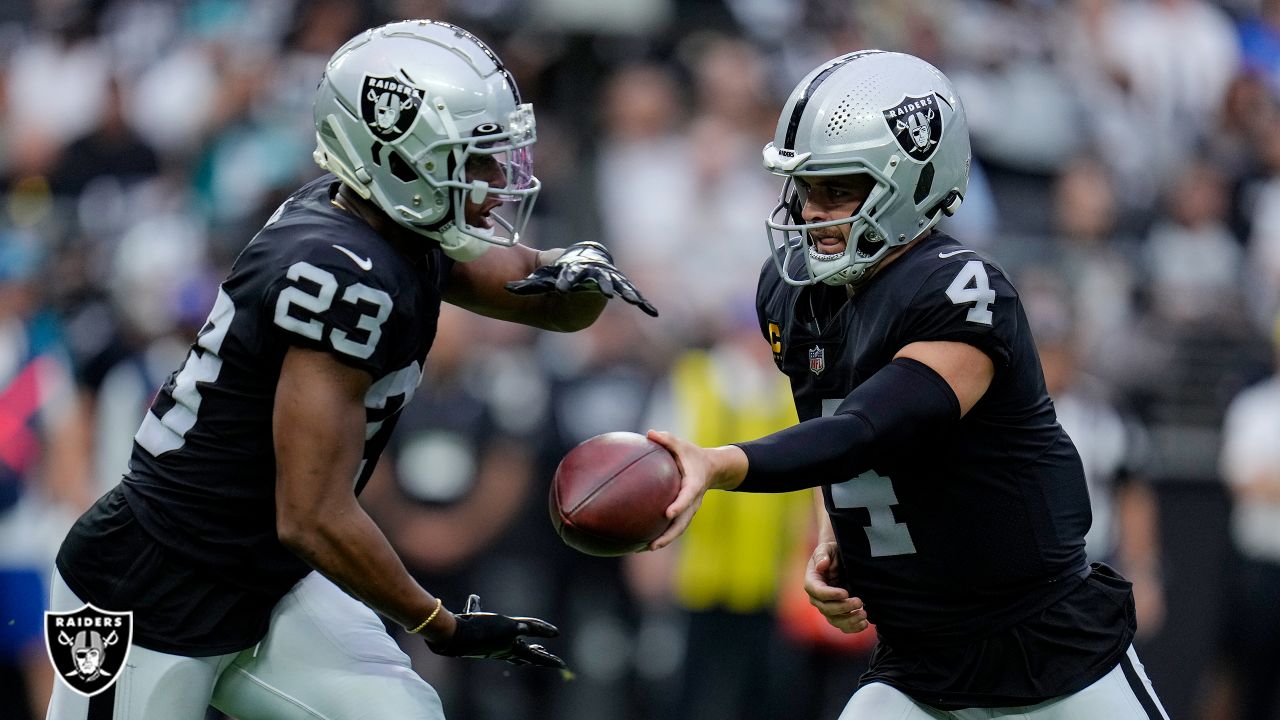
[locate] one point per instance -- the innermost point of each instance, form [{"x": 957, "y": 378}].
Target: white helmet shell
[{"x": 891, "y": 116}]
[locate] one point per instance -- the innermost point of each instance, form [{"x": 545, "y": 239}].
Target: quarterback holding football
[{"x": 956, "y": 506}]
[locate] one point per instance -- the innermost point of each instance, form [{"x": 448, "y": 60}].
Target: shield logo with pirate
[
  {"x": 88, "y": 647},
  {"x": 388, "y": 106},
  {"x": 916, "y": 122}
]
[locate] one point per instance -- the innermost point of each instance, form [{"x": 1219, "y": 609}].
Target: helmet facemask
[
  {"x": 867, "y": 242},
  {"x": 494, "y": 161}
]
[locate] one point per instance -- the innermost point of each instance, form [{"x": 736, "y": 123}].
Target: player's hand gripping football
[
  {"x": 820, "y": 582},
  {"x": 701, "y": 469},
  {"x": 583, "y": 267},
  {"x": 491, "y": 636}
]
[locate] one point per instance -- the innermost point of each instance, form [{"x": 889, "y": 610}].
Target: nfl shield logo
[
  {"x": 388, "y": 107},
  {"x": 916, "y": 122},
  {"x": 88, "y": 646},
  {"x": 817, "y": 360}
]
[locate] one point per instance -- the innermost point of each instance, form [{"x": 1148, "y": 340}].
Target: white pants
[
  {"x": 1123, "y": 694},
  {"x": 326, "y": 656}
]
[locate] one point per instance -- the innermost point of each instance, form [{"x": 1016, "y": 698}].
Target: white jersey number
[
  {"x": 161, "y": 434},
  {"x": 322, "y": 299},
  {"x": 972, "y": 286},
  {"x": 874, "y": 493}
]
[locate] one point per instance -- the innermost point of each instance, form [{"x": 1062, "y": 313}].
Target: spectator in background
[
  {"x": 1153, "y": 74},
  {"x": 1112, "y": 447},
  {"x": 1191, "y": 254},
  {"x": 58, "y": 84},
  {"x": 1259, "y": 33},
  {"x": 456, "y": 480},
  {"x": 1095, "y": 258},
  {"x": 112, "y": 149},
  {"x": 642, "y": 182},
  {"x": 42, "y": 473},
  {"x": 159, "y": 294},
  {"x": 678, "y": 196},
  {"x": 1250, "y": 465},
  {"x": 1262, "y": 198},
  {"x": 726, "y": 572},
  {"x": 1192, "y": 346},
  {"x": 1023, "y": 115},
  {"x": 599, "y": 380}
]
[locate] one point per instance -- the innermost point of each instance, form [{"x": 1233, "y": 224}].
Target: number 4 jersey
[
  {"x": 964, "y": 534},
  {"x": 201, "y": 480}
]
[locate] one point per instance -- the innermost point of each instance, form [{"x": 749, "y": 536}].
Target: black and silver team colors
[
  {"x": 967, "y": 551},
  {"x": 188, "y": 540}
]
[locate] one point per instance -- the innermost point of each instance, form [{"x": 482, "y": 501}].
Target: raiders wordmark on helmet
[{"x": 88, "y": 646}]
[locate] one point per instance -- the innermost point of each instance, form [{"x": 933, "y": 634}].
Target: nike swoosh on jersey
[
  {"x": 366, "y": 264},
  {"x": 942, "y": 255}
]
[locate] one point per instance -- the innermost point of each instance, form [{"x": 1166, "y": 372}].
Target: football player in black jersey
[
  {"x": 955, "y": 505},
  {"x": 235, "y": 538}
]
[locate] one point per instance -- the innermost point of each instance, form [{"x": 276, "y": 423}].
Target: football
[{"x": 610, "y": 494}]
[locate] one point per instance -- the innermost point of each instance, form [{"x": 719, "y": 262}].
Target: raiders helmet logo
[
  {"x": 88, "y": 647},
  {"x": 916, "y": 122},
  {"x": 388, "y": 107}
]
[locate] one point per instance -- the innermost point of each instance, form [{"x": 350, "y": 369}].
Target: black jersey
[
  {"x": 951, "y": 541},
  {"x": 201, "y": 479}
]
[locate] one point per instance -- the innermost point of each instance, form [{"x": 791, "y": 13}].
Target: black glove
[
  {"x": 497, "y": 637},
  {"x": 584, "y": 266}
]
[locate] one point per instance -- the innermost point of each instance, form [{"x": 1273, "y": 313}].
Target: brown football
[{"x": 610, "y": 493}]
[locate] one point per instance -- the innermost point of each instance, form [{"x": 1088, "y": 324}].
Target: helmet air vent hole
[{"x": 400, "y": 168}]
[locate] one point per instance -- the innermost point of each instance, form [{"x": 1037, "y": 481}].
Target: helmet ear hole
[
  {"x": 399, "y": 168},
  {"x": 924, "y": 184}
]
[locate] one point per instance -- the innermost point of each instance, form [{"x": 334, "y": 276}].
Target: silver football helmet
[
  {"x": 419, "y": 116},
  {"x": 888, "y": 115}
]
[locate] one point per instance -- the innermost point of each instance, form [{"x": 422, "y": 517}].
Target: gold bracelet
[{"x": 432, "y": 616}]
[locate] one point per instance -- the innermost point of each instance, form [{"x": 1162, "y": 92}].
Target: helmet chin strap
[{"x": 458, "y": 245}]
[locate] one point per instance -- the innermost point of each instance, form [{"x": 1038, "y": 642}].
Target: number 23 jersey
[
  {"x": 965, "y": 532},
  {"x": 202, "y": 475}
]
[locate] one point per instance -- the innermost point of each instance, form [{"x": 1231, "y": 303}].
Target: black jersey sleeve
[
  {"x": 324, "y": 299},
  {"x": 970, "y": 302},
  {"x": 903, "y": 402}
]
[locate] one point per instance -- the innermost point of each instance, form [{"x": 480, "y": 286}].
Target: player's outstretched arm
[
  {"x": 585, "y": 266},
  {"x": 481, "y": 287},
  {"x": 562, "y": 290}
]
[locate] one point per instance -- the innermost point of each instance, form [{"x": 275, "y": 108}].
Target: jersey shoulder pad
[
  {"x": 963, "y": 297},
  {"x": 330, "y": 291}
]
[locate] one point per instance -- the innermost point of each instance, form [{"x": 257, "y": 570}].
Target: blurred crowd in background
[{"x": 1126, "y": 175}]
